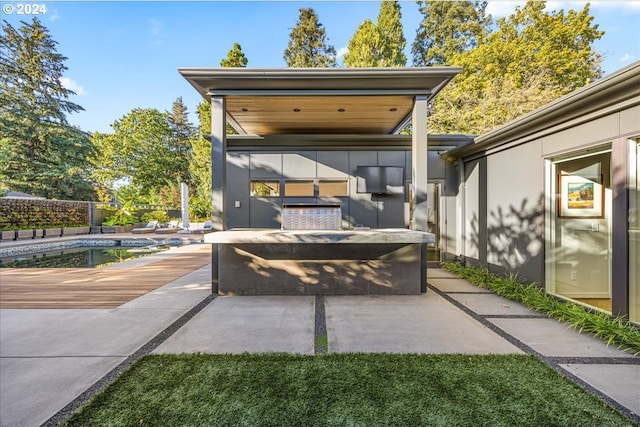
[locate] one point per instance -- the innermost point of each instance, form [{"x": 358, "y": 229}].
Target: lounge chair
[
  {"x": 173, "y": 227},
  {"x": 149, "y": 228},
  {"x": 206, "y": 228}
]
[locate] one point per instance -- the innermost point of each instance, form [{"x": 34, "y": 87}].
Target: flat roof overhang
[{"x": 285, "y": 101}]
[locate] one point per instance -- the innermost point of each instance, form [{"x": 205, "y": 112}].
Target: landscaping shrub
[
  {"x": 614, "y": 330},
  {"x": 123, "y": 216},
  {"x": 157, "y": 215}
]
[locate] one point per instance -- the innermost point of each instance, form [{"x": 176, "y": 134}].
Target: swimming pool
[{"x": 76, "y": 254}]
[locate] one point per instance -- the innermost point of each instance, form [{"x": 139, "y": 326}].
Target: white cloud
[
  {"x": 53, "y": 15},
  {"x": 73, "y": 85},
  {"x": 627, "y": 57},
  {"x": 342, "y": 52},
  {"x": 155, "y": 27}
]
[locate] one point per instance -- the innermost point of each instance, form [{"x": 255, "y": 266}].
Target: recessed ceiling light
[
  {"x": 297, "y": 110},
  {"x": 244, "y": 110},
  {"x": 393, "y": 109},
  {"x": 341, "y": 110}
]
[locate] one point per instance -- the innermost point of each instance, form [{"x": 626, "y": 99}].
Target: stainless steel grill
[{"x": 311, "y": 217}]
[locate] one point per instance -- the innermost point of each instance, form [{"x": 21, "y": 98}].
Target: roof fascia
[{"x": 318, "y": 92}]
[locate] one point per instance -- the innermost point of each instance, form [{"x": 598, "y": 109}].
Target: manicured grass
[
  {"x": 344, "y": 390},
  {"x": 613, "y": 330}
]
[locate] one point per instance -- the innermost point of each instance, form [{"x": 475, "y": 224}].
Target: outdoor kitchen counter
[
  {"x": 368, "y": 236},
  {"x": 319, "y": 262}
]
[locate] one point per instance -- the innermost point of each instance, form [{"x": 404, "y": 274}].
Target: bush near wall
[{"x": 20, "y": 214}]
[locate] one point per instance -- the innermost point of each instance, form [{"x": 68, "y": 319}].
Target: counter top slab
[{"x": 364, "y": 236}]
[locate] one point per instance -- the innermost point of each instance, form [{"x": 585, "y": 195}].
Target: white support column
[
  {"x": 419, "y": 163},
  {"x": 218, "y": 163}
]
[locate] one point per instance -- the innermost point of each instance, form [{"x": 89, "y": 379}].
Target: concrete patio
[{"x": 50, "y": 357}]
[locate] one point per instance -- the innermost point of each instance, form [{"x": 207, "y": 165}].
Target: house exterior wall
[
  {"x": 514, "y": 234},
  {"x": 601, "y": 129},
  {"x": 502, "y": 194}
]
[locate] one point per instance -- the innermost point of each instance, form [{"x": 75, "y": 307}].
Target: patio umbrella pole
[{"x": 184, "y": 194}]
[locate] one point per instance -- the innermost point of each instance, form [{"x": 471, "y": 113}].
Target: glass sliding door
[
  {"x": 579, "y": 227},
  {"x": 634, "y": 230}
]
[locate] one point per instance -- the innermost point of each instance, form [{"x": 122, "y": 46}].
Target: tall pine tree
[
  {"x": 308, "y": 43},
  {"x": 39, "y": 151},
  {"x": 380, "y": 45},
  {"x": 391, "y": 36},
  {"x": 364, "y": 47},
  {"x": 448, "y": 28},
  {"x": 182, "y": 132},
  {"x": 200, "y": 165},
  {"x": 235, "y": 58}
]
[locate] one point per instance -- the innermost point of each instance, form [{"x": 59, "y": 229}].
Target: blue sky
[{"x": 124, "y": 54}]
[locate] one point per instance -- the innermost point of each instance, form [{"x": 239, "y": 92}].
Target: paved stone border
[
  {"x": 552, "y": 362},
  {"x": 514, "y": 316},
  {"x": 66, "y": 412},
  {"x": 595, "y": 360},
  {"x": 321, "y": 343}
]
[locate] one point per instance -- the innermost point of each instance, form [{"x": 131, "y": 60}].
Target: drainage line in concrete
[
  {"x": 321, "y": 342},
  {"x": 549, "y": 361},
  {"x": 66, "y": 412}
]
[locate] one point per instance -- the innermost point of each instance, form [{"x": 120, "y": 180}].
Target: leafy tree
[
  {"x": 139, "y": 150},
  {"x": 235, "y": 58},
  {"x": 200, "y": 165},
  {"x": 448, "y": 28},
  {"x": 532, "y": 58},
  {"x": 308, "y": 43},
  {"x": 364, "y": 47},
  {"x": 380, "y": 45},
  {"x": 392, "y": 38},
  {"x": 39, "y": 151}
]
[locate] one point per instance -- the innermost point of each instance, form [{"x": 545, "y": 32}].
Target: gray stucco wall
[
  {"x": 502, "y": 199},
  {"x": 515, "y": 210}
]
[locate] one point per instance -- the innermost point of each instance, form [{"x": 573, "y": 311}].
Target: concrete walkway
[{"x": 48, "y": 358}]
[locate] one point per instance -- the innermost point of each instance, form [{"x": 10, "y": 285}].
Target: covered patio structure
[{"x": 313, "y": 138}]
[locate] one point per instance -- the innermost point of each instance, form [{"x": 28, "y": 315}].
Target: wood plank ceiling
[{"x": 314, "y": 114}]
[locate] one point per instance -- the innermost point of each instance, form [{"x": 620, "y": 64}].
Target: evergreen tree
[
  {"x": 182, "y": 132},
  {"x": 448, "y": 28},
  {"x": 235, "y": 58},
  {"x": 39, "y": 151},
  {"x": 364, "y": 47},
  {"x": 531, "y": 59},
  {"x": 200, "y": 164},
  {"x": 307, "y": 43},
  {"x": 391, "y": 36},
  {"x": 380, "y": 45}
]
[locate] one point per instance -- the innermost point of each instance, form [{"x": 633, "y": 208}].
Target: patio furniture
[
  {"x": 173, "y": 227},
  {"x": 149, "y": 228},
  {"x": 206, "y": 228}
]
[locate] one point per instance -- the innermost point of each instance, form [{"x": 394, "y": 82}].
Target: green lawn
[{"x": 344, "y": 390}]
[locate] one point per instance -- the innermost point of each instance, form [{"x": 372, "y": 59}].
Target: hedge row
[{"x": 20, "y": 214}]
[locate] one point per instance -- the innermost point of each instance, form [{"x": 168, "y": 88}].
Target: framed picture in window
[{"x": 580, "y": 197}]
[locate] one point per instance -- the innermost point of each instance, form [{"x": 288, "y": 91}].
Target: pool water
[{"x": 82, "y": 257}]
